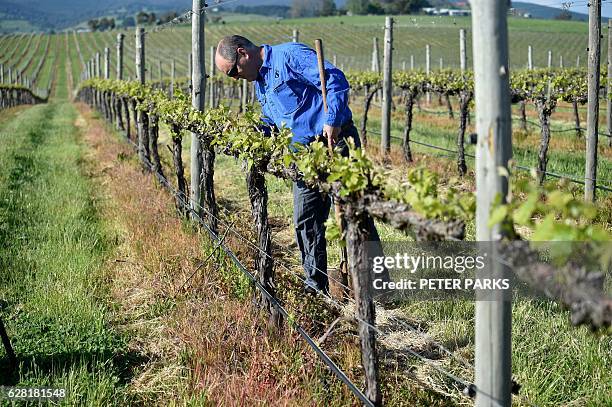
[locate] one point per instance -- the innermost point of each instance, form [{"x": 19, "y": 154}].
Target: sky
[{"x": 579, "y": 6}]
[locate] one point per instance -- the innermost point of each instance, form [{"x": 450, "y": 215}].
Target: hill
[
  {"x": 39, "y": 15},
  {"x": 544, "y": 12}
]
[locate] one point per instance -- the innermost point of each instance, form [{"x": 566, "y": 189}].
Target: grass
[
  {"x": 350, "y": 38},
  {"x": 53, "y": 246},
  {"x": 566, "y": 152},
  {"x": 15, "y": 25},
  {"x": 202, "y": 344},
  {"x": 553, "y": 361}
]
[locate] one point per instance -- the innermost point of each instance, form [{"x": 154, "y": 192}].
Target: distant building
[
  {"x": 457, "y": 13},
  {"x": 432, "y": 11}
]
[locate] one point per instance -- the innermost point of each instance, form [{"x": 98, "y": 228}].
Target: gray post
[
  {"x": 172, "y": 77},
  {"x": 1, "y": 73},
  {"x": 593, "y": 99},
  {"x": 98, "y": 65},
  {"x": 529, "y": 57},
  {"x": 494, "y": 150},
  {"x": 141, "y": 123},
  {"x": 10, "y": 74},
  {"x": 462, "y": 49},
  {"x": 245, "y": 93},
  {"x": 335, "y": 60},
  {"x": 160, "y": 70},
  {"x": 403, "y": 65},
  {"x": 295, "y": 37},
  {"x": 190, "y": 68},
  {"x": 106, "y": 63},
  {"x": 198, "y": 91},
  {"x": 412, "y": 62},
  {"x": 441, "y": 63},
  {"x": 428, "y": 69},
  {"x": 140, "y": 55},
  {"x": 609, "y": 102},
  {"x": 578, "y": 61},
  {"x": 549, "y": 59},
  {"x": 375, "y": 57},
  {"x": 213, "y": 68},
  {"x": 560, "y": 61},
  {"x": 120, "y": 38},
  {"x": 385, "y": 130}
]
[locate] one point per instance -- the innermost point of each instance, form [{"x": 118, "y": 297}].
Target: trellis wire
[
  {"x": 309, "y": 340},
  {"x": 521, "y": 167}
]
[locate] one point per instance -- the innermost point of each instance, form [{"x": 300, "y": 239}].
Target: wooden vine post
[
  {"x": 464, "y": 100},
  {"x": 141, "y": 116},
  {"x": 376, "y": 63},
  {"x": 172, "y": 77},
  {"x": 522, "y": 111},
  {"x": 550, "y": 58},
  {"x": 295, "y": 37},
  {"x": 106, "y": 63},
  {"x": 494, "y": 150},
  {"x": 593, "y": 99},
  {"x": 190, "y": 69},
  {"x": 98, "y": 72},
  {"x": 244, "y": 95},
  {"x": 197, "y": 101},
  {"x": 385, "y": 130},
  {"x": 375, "y": 57},
  {"x": 609, "y": 86},
  {"x": 120, "y": 38},
  {"x": 213, "y": 69},
  {"x": 428, "y": 68},
  {"x": 202, "y": 153}
]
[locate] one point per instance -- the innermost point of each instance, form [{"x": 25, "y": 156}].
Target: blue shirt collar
[{"x": 267, "y": 60}]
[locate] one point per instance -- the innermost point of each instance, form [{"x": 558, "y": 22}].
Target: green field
[
  {"x": 138, "y": 337},
  {"x": 348, "y": 38}
]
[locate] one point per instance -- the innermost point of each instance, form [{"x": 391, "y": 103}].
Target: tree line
[{"x": 317, "y": 8}]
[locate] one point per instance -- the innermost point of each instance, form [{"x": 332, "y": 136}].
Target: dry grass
[{"x": 203, "y": 343}]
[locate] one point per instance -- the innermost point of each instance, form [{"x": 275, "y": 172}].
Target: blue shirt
[{"x": 289, "y": 91}]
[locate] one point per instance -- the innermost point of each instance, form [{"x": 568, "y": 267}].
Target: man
[{"x": 288, "y": 87}]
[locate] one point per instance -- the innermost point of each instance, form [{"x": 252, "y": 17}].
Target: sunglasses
[{"x": 232, "y": 73}]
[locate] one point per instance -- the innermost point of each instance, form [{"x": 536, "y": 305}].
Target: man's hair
[{"x": 228, "y": 46}]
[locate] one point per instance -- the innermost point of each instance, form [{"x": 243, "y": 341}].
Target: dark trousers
[{"x": 310, "y": 211}]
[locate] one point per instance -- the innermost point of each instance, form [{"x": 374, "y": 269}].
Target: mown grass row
[{"x": 53, "y": 247}]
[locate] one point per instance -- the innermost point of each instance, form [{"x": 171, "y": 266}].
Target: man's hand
[{"x": 331, "y": 133}]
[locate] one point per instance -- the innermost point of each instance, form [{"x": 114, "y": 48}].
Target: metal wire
[
  {"x": 569, "y": 177},
  {"x": 273, "y": 301},
  {"x": 339, "y": 373}
]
